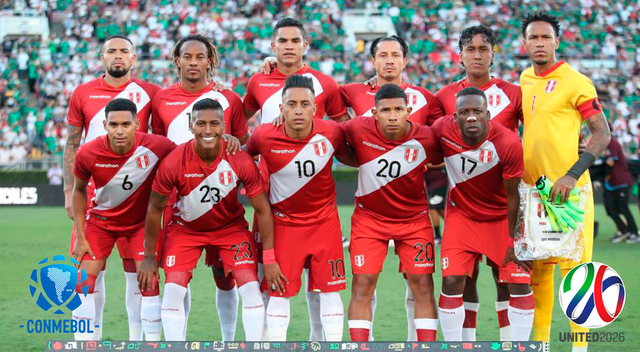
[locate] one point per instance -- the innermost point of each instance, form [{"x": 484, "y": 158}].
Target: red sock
[
  {"x": 359, "y": 335},
  {"x": 425, "y": 335}
]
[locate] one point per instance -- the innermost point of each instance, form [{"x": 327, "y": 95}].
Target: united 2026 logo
[
  {"x": 592, "y": 295},
  {"x": 54, "y": 284}
]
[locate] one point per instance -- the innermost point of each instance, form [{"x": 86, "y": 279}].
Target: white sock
[
  {"x": 451, "y": 310},
  {"x": 410, "y": 307},
  {"x": 278, "y": 316},
  {"x": 313, "y": 304},
  {"x": 374, "y": 304},
  {"x": 469, "y": 334},
  {"x": 521, "y": 318},
  {"x": 150, "y": 316},
  {"x": 227, "y": 304},
  {"x": 332, "y": 315},
  {"x": 133, "y": 300},
  {"x": 86, "y": 311},
  {"x": 253, "y": 311},
  {"x": 187, "y": 309},
  {"x": 265, "y": 299},
  {"x": 426, "y": 329},
  {"x": 502, "y": 309},
  {"x": 173, "y": 312},
  {"x": 100, "y": 296}
]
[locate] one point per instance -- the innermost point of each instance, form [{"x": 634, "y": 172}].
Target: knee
[
  {"x": 453, "y": 285},
  {"x": 154, "y": 291},
  {"x": 89, "y": 284},
  {"x": 363, "y": 287},
  {"x": 421, "y": 285},
  {"x": 180, "y": 278},
  {"x": 244, "y": 276}
]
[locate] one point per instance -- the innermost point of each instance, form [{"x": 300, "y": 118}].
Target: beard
[{"x": 118, "y": 72}]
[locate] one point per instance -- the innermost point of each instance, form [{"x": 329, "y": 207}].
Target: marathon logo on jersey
[
  {"x": 171, "y": 261},
  {"x": 445, "y": 262},
  {"x": 410, "y": 154},
  {"x": 134, "y": 96},
  {"x": 551, "y": 85},
  {"x": 320, "y": 148},
  {"x": 494, "y": 100},
  {"x": 486, "y": 155},
  {"x": 358, "y": 260},
  {"x": 225, "y": 177},
  {"x": 142, "y": 161}
]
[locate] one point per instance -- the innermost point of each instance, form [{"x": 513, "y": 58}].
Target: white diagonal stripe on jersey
[
  {"x": 498, "y": 93},
  {"x": 453, "y": 164},
  {"x": 271, "y": 107},
  {"x": 419, "y": 103},
  {"x": 178, "y": 131},
  {"x": 191, "y": 206},
  {"x": 96, "y": 126},
  {"x": 369, "y": 182},
  {"x": 285, "y": 182},
  {"x": 114, "y": 192}
]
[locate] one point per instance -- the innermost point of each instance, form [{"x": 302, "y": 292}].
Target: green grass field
[{"x": 27, "y": 235}]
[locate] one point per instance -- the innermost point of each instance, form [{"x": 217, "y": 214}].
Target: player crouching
[
  {"x": 484, "y": 165},
  {"x": 123, "y": 165},
  {"x": 207, "y": 214}
]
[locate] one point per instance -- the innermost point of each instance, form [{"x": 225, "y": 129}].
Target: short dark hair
[
  {"x": 471, "y": 91},
  {"x": 289, "y": 22},
  {"x": 390, "y": 91},
  {"x": 206, "y": 104},
  {"x": 117, "y": 36},
  {"x": 298, "y": 81},
  {"x": 541, "y": 16},
  {"x": 121, "y": 104},
  {"x": 468, "y": 33},
  {"x": 390, "y": 38}
]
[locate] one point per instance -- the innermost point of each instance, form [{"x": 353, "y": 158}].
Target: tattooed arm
[{"x": 74, "y": 135}]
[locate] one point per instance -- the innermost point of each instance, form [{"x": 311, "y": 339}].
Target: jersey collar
[
  {"x": 301, "y": 71},
  {"x": 198, "y": 93},
  {"x": 215, "y": 163},
  {"x": 549, "y": 71},
  {"x": 107, "y": 85},
  {"x": 311, "y": 134},
  {"x": 492, "y": 81}
]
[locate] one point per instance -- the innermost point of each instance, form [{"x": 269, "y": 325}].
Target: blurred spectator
[{"x": 55, "y": 175}]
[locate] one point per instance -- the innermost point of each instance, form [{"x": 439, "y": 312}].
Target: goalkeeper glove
[{"x": 544, "y": 186}]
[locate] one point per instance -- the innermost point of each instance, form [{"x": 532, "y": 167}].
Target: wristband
[
  {"x": 268, "y": 256},
  {"x": 584, "y": 162}
]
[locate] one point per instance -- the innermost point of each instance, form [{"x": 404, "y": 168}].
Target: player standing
[
  {"x": 196, "y": 59},
  {"x": 504, "y": 103},
  {"x": 391, "y": 204},
  {"x": 122, "y": 165},
  {"x": 299, "y": 156},
  {"x": 87, "y": 114},
  {"x": 207, "y": 214},
  {"x": 556, "y": 100},
  {"x": 484, "y": 165}
]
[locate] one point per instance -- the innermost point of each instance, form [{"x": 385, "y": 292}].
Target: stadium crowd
[{"x": 599, "y": 38}]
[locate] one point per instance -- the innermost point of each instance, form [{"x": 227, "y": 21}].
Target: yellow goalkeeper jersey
[{"x": 554, "y": 105}]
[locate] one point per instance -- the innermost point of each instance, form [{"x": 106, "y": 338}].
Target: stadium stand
[{"x": 600, "y": 38}]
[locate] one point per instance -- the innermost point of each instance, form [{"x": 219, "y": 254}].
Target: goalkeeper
[{"x": 556, "y": 99}]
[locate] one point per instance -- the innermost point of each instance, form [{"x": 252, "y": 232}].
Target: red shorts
[
  {"x": 103, "y": 238},
  {"x": 234, "y": 244},
  {"x": 465, "y": 239},
  {"x": 370, "y": 241},
  {"x": 320, "y": 245}
]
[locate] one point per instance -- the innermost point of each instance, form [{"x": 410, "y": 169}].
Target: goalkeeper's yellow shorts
[{"x": 588, "y": 242}]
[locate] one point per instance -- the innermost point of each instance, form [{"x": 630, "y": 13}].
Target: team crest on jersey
[
  {"x": 551, "y": 85},
  {"x": 494, "y": 100},
  {"x": 142, "y": 161},
  {"x": 134, "y": 96},
  {"x": 171, "y": 261},
  {"x": 410, "y": 154},
  {"x": 412, "y": 99},
  {"x": 225, "y": 177},
  {"x": 445, "y": 262},
  {"x": 358, "y": 260},
  {"x": 320, "y": 148},
  {"x": 486, "y": 155}
]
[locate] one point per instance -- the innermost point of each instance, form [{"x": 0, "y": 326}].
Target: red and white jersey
[
  {"x": 207, "y": 194},
  {"x": 361, "y": 98},
  {"x": 391, "y": 173},
  {"x": 264, "y": 93},
  {"x": 504, "y": 100},
  {"x": 87, "y": 103},
  {"x": 477, "y": 173},
  {"x": 172, "y": 106},
  {"x": 301, "y": 187},
  {"x": 122, "y": 182}
]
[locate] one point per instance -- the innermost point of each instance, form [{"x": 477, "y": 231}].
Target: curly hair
[
  {"x": 541, "y": 16},
  {"x": 468, "y": 33},
  {"x": 212, "y": 51}
]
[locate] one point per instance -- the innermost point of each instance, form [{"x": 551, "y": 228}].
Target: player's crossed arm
[
  {"x": 149, "y": 267},
  {"x": 74, "y": 136}
]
